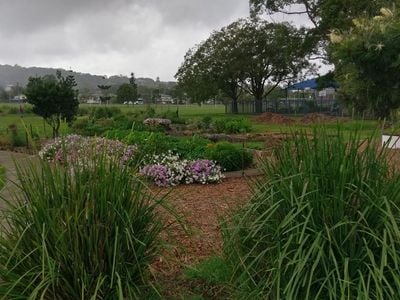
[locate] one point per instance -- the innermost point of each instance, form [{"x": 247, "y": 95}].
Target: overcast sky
[{"x": 148, "y": 37}]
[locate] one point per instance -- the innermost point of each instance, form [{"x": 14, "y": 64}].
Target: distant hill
[{"x": 17, "y": 75}]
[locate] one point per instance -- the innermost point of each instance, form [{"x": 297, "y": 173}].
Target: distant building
[
  {"x": 8, "y": 88},
  {"x": 165, "y": 99},
  {"x": 93, "y": 101},
  {"x": 19, "y": 98}
]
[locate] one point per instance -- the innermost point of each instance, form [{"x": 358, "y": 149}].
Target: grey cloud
[{"x": 148, "y": 37}]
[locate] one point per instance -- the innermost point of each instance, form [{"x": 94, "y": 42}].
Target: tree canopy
[
  {"x": 53, "y": 98},
  {"x": 324, "y": 15},
  {"x": 126, "y": 92},
  {"x": 248, "y": 55},
  {"x": 368, "y": 63}
]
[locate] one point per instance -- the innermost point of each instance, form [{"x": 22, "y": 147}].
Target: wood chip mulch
[{"x": 201, "y": 208}]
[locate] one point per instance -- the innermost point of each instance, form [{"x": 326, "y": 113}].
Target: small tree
[
  {"x": 126, "y": 92},
  {"x": 53, "y": 98}
]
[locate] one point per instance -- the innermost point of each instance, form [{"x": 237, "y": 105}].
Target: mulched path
[{"x": 201, "y": 206}]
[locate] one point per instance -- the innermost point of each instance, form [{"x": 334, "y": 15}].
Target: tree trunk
[
  {"x": 235, "y": 106},
  {"x": 258, "y": 106},
  {"x": 56, "y": 127}
]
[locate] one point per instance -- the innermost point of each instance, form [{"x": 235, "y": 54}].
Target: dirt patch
[
  {"x": 319, "y": 118},
  {"x": 273, "y": 118}
]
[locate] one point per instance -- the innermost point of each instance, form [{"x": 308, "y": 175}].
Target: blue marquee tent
[{"x": 304, "y": 85}]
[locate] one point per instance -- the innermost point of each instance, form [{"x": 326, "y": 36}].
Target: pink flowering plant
[
  {"x": 76, "y": 148},
  {"x": 169, "y": 170}
]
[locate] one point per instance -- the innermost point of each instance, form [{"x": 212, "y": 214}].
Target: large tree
[
  {"x": 246, "y": 55},
  {"x": 367, "y": 63},
  {"x": 323, "y": 15},
  {"x": 53, "y": 98},
  {"x": 195, "y": 76},
  {"x": 271, "y": 53}
]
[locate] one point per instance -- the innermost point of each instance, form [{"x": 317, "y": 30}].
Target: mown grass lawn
[
  {"x": 34, "y": 124},
  {"x": 28, "y": 123}
]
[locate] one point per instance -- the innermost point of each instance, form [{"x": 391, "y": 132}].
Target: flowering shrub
[
  {"x": 74, "y": 148},
  {"x": 168, "y": 170}
]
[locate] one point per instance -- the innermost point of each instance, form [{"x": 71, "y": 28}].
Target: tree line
[{"x": 253, "y": 56}]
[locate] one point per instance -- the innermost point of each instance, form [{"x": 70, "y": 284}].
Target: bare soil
[
  {"x": 273, "y": 118},
  {"x": 319, "y": 118}
]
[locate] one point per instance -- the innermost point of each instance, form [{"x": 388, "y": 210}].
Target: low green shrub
[
  {"x": 230, "y": 156},
  {"x": 101, "y": 112},
  {"x": 193, "y": 147},
  {"x": 116, "y": 134},
  {"x": 85, "y": 232},
  {"x": 149, "y": 143},
  {"x": 323, "y": 223},
  {"x": 83, "y": 111},
  {"x": 91, "y": 127},
  {"x": 17, "y": 138},
  {"x": 173, "y": 116},
  {"x": 13, "y": 110},
  {"x": 232, "y": 125},
  {"x": 206, "y": 123}
]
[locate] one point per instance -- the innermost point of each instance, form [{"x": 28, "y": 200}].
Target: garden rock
[{"x": 154, "y": 122}]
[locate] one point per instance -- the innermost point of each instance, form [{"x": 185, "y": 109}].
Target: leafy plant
[
  {"x": 104, "y": 112},
  {"x": 230, "y": 156},
  {"x": 206, "y": 122},
  {"x": 190, "y": 147},
  {"x": 86, "y": 231},
  {"x": 149, "y": 143},
  {"x": 232, "y": 125},
  {"x": 323, "y": 223},
  {"x": 15, "y": 137}
]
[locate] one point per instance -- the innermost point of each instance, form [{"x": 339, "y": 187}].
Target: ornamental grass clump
[
  {"x": 78, "y": 231},
  {"x": 323, "y": 223}
]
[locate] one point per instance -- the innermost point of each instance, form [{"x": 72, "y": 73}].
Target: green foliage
[
  {"x": 15, "y": 137},
  {"x": 323, "y": 223},
  {"x": 173, "y": 116},
  {"x": 367, "y": 63},
  {"x": 83, "y": 232},
  {"x": 248, "y": 54},
  {"x": 101, "y": 112},
  {"x": 90, "y": 127},
  {"x": 324, "y": 15},
  {"x": 13, "y": 110},
  {"x": 232, "y": 125},
  {"x": 53, "y": 98},
  {"x": 206, "y": 122},
  {"x": 213, "y": 270},
  {"x": 83, "y": 111},
  {"x": 191, "y": 148},
  {"x": 149, "y": 143},
  {"x": 126, "y": 92},
  {"x": 230, "y": 156}
]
